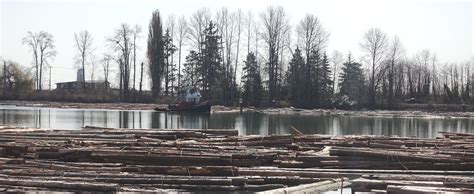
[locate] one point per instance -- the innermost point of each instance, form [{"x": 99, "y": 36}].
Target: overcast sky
[{"x": 443, "y": 26}]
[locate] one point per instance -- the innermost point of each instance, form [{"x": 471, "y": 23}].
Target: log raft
[{"x": 100, "y": 159}]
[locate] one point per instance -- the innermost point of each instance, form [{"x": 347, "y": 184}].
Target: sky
[{"x": 443, "y": 26}]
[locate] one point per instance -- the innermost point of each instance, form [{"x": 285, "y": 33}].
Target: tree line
[
  {"x": 265, "y": 61},
  {"x": 276, "y": 70}
]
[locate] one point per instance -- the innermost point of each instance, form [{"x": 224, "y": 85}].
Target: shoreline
[
  {"x": 224, "y": 109},
  {"x": 77, "y": 105}
]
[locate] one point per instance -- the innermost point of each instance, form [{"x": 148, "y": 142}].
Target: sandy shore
[{"x": 223, "y": 109}]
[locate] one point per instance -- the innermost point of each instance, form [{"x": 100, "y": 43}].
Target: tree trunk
[{"x": 141, "y": 80}]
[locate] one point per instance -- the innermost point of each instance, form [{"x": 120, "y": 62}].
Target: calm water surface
[{"x": 247, "y": 123}]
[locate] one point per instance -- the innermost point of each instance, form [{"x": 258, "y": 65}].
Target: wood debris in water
[{"x": 105, "y": 159}]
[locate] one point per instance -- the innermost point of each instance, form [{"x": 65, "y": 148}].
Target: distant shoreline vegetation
[{"x": 235, "y": 57}]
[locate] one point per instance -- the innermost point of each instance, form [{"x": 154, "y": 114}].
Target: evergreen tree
[
  {"x": 448, "y": 95},
  {"x": 169, "y": 68},
  {"x": 155, "y": 53},
  {"x": 467, "y": 91},
  {"x": 309, "y": 84},
  {"x": 297, "y": 80},
  {"x": 324, "y": 83},
  {"x": 351, "y": 81},
  {"x": 253, "y": 89},
  {"x": 191, "y": 75},
  {"x": 210, "y": 65},
  {"x": 312, "y": 93}
]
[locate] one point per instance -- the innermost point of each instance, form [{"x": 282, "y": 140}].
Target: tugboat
[{"x": 190, "y": 102}]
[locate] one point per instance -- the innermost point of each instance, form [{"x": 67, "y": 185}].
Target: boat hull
[
  {"x": 202, "y": 107},
  {"x": 197, "y": 108}
]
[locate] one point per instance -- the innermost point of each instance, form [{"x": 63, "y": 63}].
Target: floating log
[
  {"x": 425, "y": 189},
  {"x": 312, "y": 187},
  {"x": 61, "y": 185},
  {"x": 184, "y": 160}
]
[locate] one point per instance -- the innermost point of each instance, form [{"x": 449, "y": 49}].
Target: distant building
[
  {"x": 79, "y": 83},
  {"x": 80, "y": 75}
]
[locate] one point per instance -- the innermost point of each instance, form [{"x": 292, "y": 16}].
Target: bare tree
[
  {"x": 137, "y": 30},
  {"x": 106, "y": 59},
  {"x": 171, "y": 27},
  {"x": 435, "y": 84},
  {"x": 239, "y": 32},
  {"x": 395, "y": 53},
  {"x": 467, "y": 88},
  {"x": 197, "y": 23},
  {"x": 374, "y": 44},
  {"x": 83, "y": 43},
  {"x": 221, "y": 20},
  {"x": 422, "y": 60},
  {"x": 311, "y": 35},
  {"x": 31, "y": 40},
  {"x": 182, "y": 32},
  {"x": 93, "y": 63},
  {"x": 337, "y": 58},
  {"x": 226, "y": 27},
  {"x": 257, "y": 33},
  {"x": 122, "y": 42},
  {"x": 250, "y": 26},
  {"x": 276, "y": 26},
  {"x": 42, "y": 46},
  {"x": 312, "y": 38},
  {"x": 227, "y": 21}
]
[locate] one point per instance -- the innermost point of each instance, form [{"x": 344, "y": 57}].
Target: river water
[{"x": 247, "y": 123}]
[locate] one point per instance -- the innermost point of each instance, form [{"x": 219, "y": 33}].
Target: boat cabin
[{"x": 193, "y": 96}]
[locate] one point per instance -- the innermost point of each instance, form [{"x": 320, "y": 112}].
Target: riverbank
[
  {"x": 75, "y": 105},
  {"x": 223, "y": 109},
  {"x": 183, "y": 160}
]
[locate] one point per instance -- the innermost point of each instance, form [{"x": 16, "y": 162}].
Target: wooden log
[
  {"x": 172, "y": 180},
  {"x": 184, "y": 170},
  {"x": 448, "y": 134},
  {"x": 210, "y": 188},
  {"x": 425, "y": 189},
  {"x": 12, "y": 161},
  {"x": 365, "y": 185},
  {"x": 134, "y": 189},
  {"x": 143, "y": 158},
  {"x": 160, "y": 160},
  {"x": 63, "y": 185},
  {"x": 271, "y": 171},
  {"x": 75, "y": 155},
  {"x": 402, "y": 156},
  {"x": 310, "y": 188},
  {"x": 22, "y": 189},
  {"x": 311, "y": 174},
  {"x": 449, "y": 181},
  {"x": 13, "y": 150},
  {"x": 290, "y": 180},
  {"x": 225, "y": 132}
]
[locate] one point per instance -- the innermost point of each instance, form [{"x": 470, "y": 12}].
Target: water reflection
[{"x": 247, "y": 123}]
